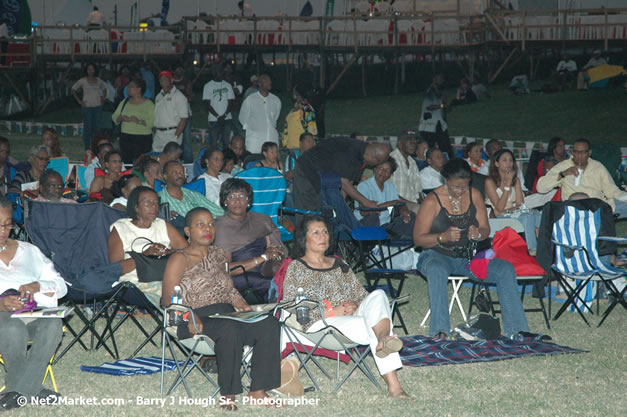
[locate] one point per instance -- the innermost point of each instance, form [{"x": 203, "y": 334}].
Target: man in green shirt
[{"x": 180, "y": 199}]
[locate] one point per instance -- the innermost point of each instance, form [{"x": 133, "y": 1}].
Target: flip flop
[
  {"x": 391, "y": 345},
  {"x": 228, "y": 404}
]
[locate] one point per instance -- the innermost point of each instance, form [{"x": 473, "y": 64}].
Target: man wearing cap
[
  {"x": 171, "y": 113},
  {"x": 596, "y": 61},
  {"x": 259, "y": 114},
  {"x": 254, "y": 87},
  {"x": 406, "y": 178}
]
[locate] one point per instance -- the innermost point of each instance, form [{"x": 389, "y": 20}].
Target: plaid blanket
[{"x": 426, "y": 351}]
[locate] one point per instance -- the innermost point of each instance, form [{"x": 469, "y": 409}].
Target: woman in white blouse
[
  {"x": 213, "y": 161},
  {"x": 24, "y": 268}
]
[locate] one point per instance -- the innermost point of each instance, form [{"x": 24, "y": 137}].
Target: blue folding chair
[
  {"x": 575, "y": 236},
  {"x": 268, "y": 194}
]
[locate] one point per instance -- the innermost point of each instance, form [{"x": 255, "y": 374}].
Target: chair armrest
[
  {"x": 613, "y": 239},
  {"x": 299, "y": 211},
  {"x": 397, "y": 300},
  {"x": 567, "y": 246}
]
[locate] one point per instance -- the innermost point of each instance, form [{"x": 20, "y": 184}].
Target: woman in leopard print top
[
  {"x": 364, "y": 318},
  {"x": 200, "y": 271}
]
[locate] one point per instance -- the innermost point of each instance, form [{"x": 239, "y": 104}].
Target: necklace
[
  {"x": 455, "y": 202},
  {"x": 3, "y": 248}
]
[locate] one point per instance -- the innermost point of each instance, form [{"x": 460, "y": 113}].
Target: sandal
[
  {"x": 227, "y": 404},
  {"x": 390, "y": 345}
]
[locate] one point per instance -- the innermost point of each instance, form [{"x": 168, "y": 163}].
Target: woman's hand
[
  {"x": 453, "y": 234},
  {"x": 192, "y": 330},
  {"x": 157, "y": 249},
  {"x": 133, "y": 119},
  {"x": 27, "y": 290},
  {"x": 474, "y": 233},
  {"x": 11, "y": 303},
  {"x": 508, "y": 178},
  {"x": 242, "y": 308},
  {"x": 348, "y": 308},
  {"x": 274, "y": 252}
]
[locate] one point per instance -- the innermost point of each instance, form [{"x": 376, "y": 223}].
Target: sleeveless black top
[{"x": 444, "y": 220}]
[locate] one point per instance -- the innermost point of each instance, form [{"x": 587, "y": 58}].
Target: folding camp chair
[
  {"x": 75, "y": 236},
  {"x": 329, "y": 338},
  {"x": 269, "y": 188},
  {"x": 575, "y": 236},
  {"x": 536, "y": 281},
  {"x": 380, "y": 271},
  {"x": 306, "y": 345},
  {"x": 193, "y": 349}
]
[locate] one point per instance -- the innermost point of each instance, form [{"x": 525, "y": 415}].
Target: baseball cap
[{"x": 166, "y": 74}]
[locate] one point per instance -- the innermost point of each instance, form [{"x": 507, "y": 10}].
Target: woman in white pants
[{"x": 363, "y": 317}]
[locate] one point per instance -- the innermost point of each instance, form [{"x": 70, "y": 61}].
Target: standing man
[
  {"x": 433, "y": 127},
  {"x": 184, "y": 85},
  {"x": 345, "y": 157},
  {"x": 171, "y": 113},
  {"x": 259, "y": 114},
  {"x": 218, "y": 94},
  {"x": 95, "y": 18},
  {"x": 406, "y": 178}
]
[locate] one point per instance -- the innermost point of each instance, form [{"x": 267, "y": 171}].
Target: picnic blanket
[
  {"x": 130, "y": 367},
  {"x": 427, "y": 351}
]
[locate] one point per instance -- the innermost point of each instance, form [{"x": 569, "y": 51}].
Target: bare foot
[
  {"x": 260, "y": 397},
  {"x": 401, "y": 395}
]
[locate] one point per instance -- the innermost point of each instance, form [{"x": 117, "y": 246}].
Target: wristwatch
[
  {"x": 264, "y": 256},
  {"x": 561, "y": 174}
]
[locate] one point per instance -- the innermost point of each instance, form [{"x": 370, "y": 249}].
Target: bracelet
[
  {"x": 329, "y": 307},
  {"x": 256, "y": 261},
  {"x": 440, "y": 239},
  {"x": 561, "y": 175}
]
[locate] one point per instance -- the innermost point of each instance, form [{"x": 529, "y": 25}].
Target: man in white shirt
[
  {"x": 171, "y": 113},
  {"x": 430, "y": 176},
  {"x": 596, "y": 61},
  {"x": 565, "y": 72},
  {"x": 407, "y": 177},
  {"x": 219, "y": 96},
  {"x": 95, "y": 18},
  {"x": 259, "y": 115}
]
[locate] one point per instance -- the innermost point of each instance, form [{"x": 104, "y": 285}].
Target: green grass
[{"x": 587, "y": 384}]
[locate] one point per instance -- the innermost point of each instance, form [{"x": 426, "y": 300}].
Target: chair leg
[
  {"x": 619, "y": 298},
  {"x": 573, "y": 293}
]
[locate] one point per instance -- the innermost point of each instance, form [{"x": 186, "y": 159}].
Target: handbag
[
  {"x": 117, "y": 127},
  {"x": 270, "y": 267},
  {"x": 149, "y": 268}
]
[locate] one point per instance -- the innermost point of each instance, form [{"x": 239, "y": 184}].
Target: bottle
[
  {"x": 176, "y": 318},
  {"x": 300, "y": 295}
]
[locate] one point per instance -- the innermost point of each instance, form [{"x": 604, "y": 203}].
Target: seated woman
[
  {"x": 452, "y": 216},
  {"x": 473, "y": 156},
  {"x": 206, "y": 287},
  {"x": 148, "y": 170},
  {"x": 101, "y": 185},
  {"x": 39, "y": 157},
  {"x": 97, "y": 163},
  {"x": 378, "y": 188},
  {"x": 555, "y": 153},
  {"x": 270, "y": 152},
  {"x": 142, "y": 221},
  {"x": 363, "y": 317},
  {"x": 50, "y": 138},
  {"x": 212, "y": 162},
  {"x": 249, "y": 239},
  {"x": 24, "y": 268},
  {"x": 122, "y": 189},
  {"x": 504, "y": 193}
]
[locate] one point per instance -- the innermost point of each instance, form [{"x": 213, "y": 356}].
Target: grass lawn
[
  {"x": 596, "y": 115},
  {"x": 587, "y": 384}
]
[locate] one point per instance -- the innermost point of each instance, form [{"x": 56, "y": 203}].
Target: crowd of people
[{"x": 419, "y": 191}]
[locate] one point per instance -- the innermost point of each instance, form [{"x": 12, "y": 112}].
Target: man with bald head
[
  {"x": 343, "y": 156},
  {"x": 259, "y": 114}
]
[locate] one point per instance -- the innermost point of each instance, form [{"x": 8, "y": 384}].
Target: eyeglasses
[
  {"x": 7, "y": 226},
  {"x": 234, "y": 197},
  {"x": 42, "y": 158},
  {"x": 53, "y": 186},
  {"x": 580, "y": 152}
]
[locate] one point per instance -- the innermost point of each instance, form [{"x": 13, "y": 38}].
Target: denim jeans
[
  {"x": 188, "y": 152},
  {"x": 91, "y": 124},
  {"x": 220, "y": 134},
  {"x": 437, "y": 268},
  {"x": 25, "y": 368},
  {"x": 529, "y": 221}
]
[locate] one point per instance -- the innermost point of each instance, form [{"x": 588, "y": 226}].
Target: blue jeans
[
  {"x": 530, "y": 221},
  {"x": 621, "y": 208},
  {"x": 91, "y": 124},
  {"x": 188, "y": 152},
  {"x": 220, "y": 134},
  {"x": 437, "y": 268}
]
